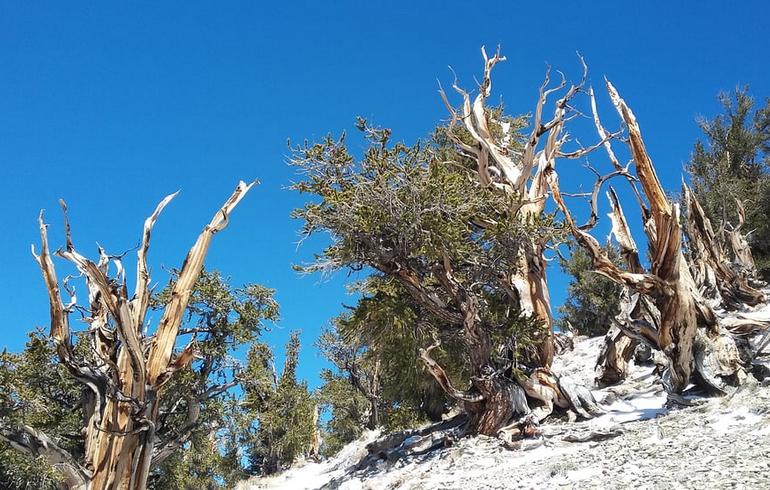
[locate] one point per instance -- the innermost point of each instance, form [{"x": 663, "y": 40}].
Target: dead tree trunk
[
  {"x": 125, "y": 386},
  {"x": 739, "y": 246},
  {"x": 712, "y": 269},
  {"x": 618, "y": 348},
  {"x": 687, "y": 329}
]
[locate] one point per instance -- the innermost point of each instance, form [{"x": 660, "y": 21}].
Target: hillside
[{"x": 638, "y": 443}]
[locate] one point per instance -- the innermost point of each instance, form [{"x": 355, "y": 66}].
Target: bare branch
[
  {"x": 441, "y": 377},
  {"x": 163, "y": 343},
  {"x": 142, "y": 293}
]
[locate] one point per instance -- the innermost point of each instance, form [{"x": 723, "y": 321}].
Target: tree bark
[
  {"x": 669, "y": 283},
  {"x": 123, "y": 389},
  {"x": 712, "y": 269},
  {"x": 614, "y": 356}
]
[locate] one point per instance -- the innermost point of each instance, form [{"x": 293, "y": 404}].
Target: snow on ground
[
  {"x": 312, "y": 475},
  {"x": 639, "y": 398},
  {"x": 722, "y": 442}
]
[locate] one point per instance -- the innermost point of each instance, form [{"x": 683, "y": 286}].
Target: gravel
[{"x": 717, "y": 443}]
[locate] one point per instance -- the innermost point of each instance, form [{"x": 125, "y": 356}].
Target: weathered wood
[
  {"x": 594, "y": 435},
  {"x": 397, "y": 445},
  {"x": 739, "y": 245},
  {"x": 614, "y": 356},
  {"x": 679, "y": 310},
  {"x": 618, "y": 347},
  {"x": 520, "y": 177},
  {"x": 123, "y": 389},
  {"x": 712, "y": 269},
  {"x": 36, "y": 444},
  {"x": 493, "y": 400}
]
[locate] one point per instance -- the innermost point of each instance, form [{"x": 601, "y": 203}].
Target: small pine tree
[
  {"x": 733, "y": 161},
  {"x": 36, "y": 391},
  {"x": 279, "y": 410},
  {"x": 592, "y": 299}
]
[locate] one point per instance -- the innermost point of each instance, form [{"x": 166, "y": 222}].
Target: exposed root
[
  {"x": 580, "y": 398},
  {"x": 718, "y": 363},
  {"x": 594, "y": 435}
]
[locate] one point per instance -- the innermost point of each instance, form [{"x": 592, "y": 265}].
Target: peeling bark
[
  {"x": 686, "y": 329},
  {"x": 122, "y": 392},
  {"x": 712, "y": 269}
]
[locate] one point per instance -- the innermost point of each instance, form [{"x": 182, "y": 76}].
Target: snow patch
[
  {"x": 721, "y": 423},
  {"x": 642, "y": 407},
  {"x": 667, "y": 445}
]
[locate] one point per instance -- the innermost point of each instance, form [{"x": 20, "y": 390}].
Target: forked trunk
[{"x": 124, "y": 385}]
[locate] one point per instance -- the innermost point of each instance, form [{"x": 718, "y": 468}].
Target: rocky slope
[{"x": 717, "y": 443}]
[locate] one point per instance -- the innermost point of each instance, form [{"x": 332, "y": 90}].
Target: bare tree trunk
[
  {"x": 493, "y": 399},
  {"x": 669, "y": 282},
  {"x": 531, "y": 284},
  {"x": 493, "y": 402},
  {"x": 710, "y": 264},
  {"x": 740, "y": 246},
  {"x": 618, "y": 348},
  {"x": 124, "y": 387},
  {"x": 35, "y": 444},
  {"x": 614, "y": 356},
  {"x": 315, "y": 445}
]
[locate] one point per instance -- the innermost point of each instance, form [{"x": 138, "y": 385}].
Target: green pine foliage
[
  {"x": 733, "y": 161},
  {"x": 279, "y": 410},
  {"x": 401, "y": 212},
  {"x": 592, "y": 299},
  {"x": 210, "y": 461},
  {"x": 38, "y": 392},
  {"x": 347, "y": 411},
  {"x": 378, "y": 380}
]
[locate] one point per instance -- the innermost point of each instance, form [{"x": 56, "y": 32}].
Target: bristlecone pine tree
[
  {"x": 663, "y": 305},
  {"x": 463, "y": 234},
  {"x": 460, "y": 222},
  {"x": 127, "y": 370}
]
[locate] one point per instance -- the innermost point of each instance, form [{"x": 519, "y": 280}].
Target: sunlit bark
[{"x": 124, "y": 385}]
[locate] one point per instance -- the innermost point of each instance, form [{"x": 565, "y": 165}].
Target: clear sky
[{"x": 113, "y": 105}]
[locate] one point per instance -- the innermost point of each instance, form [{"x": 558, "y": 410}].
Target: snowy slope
[{"x": 719, "y": 442}]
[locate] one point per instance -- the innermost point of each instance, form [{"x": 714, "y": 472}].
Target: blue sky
[{"x": 113, "y": 105}]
